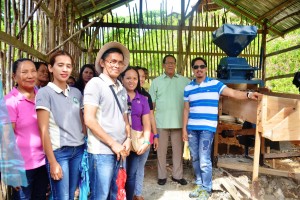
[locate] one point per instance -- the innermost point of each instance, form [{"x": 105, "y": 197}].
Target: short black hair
[
  {"x": 16, "y": 63},
  {"x": 111, "y": 50},
  {"x": 38, "y": 64},
  {"x": 138, "y": 87},
  {"x": 169, "y": 55},
  {"x": 198, "y": 58}
]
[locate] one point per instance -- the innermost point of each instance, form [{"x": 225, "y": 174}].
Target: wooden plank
[
  {"x": 263, "y": 170},
  {"x": 243, "y": 109},
  {"x": 277, "y": 118},
  {"x": 250, "y": 131},
  {"x": 238, "y": 184},
  {"x": 280, "y": 77},
  {"x": 275, "y": 104},
  {"x": 21, "y": 46},
  {"x": 286, "y": 130},
  {"x": 282, "y": 95},
  {"x": 230, "y": 188},
  {"x": 282, "y": 155}
]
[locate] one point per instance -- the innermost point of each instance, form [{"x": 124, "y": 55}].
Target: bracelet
[
  {"x": 249, "y": 94},
  {"x": 146, "y": 142},
  {"x": 128, "y": 137},
  {"x": 156, "y": 136}
]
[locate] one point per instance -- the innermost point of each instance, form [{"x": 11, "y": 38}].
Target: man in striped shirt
[{"x": 200, "y": 119}]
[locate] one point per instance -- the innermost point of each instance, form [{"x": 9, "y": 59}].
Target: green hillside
[{"x": 284, "y": 63}]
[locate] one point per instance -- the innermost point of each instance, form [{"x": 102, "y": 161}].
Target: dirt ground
[{"x": 271, "y": 187}]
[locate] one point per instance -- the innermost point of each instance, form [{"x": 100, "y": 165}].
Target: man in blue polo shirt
[{"x": 200, "y": 119}]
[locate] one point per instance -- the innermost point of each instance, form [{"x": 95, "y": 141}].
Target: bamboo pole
[{"x": 63, "y": 43}]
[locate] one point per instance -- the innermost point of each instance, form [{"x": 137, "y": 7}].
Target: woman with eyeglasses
[{"x": 140, "y": 115}]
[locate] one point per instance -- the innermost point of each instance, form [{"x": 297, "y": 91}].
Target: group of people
[{"x": 52, "y": 120}]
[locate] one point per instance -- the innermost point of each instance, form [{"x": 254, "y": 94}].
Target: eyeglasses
[
  {"x": 170, "y": 63},
  {"x": 115, "y": 63},
  {"x": 197, "y": 66}
]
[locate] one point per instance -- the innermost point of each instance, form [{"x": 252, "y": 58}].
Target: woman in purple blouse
[{"x": 140, "y": 115}]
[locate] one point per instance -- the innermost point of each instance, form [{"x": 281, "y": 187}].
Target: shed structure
[{"x": 35, "y": 28}]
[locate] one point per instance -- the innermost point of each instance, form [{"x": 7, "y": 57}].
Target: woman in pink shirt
[{"x": 20, "y": 104}]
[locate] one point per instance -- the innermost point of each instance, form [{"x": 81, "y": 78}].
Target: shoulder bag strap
[{"x": 117, "y": 100}]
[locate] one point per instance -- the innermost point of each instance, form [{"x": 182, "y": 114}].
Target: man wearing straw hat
[{"x": 105, "y": 103}]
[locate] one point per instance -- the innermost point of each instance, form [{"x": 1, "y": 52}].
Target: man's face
[
  {"x": 170, "y": 66},
  {"x": 199, "y": 72},
  {"x": 113, "y": 65}
]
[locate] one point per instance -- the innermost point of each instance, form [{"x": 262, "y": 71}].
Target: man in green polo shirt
[{"x": 166, "y": 92}]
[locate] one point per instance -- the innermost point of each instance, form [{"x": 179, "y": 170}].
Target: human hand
[
  {"x": 155, "y": 144},
  {"x": 127, "y": 145},
  {"x": 184, "y": 135},
  {"x": 56, "y": 171},
  {"x": 143, "y": 149},
  {"x": 119, "y": 150},
  {"x": 255, "y": 95}
]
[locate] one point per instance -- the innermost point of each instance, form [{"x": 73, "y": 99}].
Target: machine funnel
[{"x": 233, "y": 39}]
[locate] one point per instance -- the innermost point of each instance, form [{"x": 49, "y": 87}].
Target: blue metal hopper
[{"x": 233, "y": 39}]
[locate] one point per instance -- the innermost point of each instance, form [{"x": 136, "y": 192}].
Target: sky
[{"x": 173, "y": 5}]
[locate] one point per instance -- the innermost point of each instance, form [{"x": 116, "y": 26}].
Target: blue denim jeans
[
  {"x": 200, "y": 144},
  {"x": 69, "y": 159},
  {"x": 103, "y": 172},
  {"x": 132, "y": 165},
  {"x": 37, "y": 185},
  {"x": 139, "y": 180}
]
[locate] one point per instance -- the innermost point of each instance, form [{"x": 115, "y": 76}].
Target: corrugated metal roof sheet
[{"x": 280, "y": 16}]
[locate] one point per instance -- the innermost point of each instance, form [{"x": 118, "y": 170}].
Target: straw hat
[{"x": 108, "y": 46}]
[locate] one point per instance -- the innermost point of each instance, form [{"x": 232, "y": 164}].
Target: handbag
[{"x": 137, "y": 137}]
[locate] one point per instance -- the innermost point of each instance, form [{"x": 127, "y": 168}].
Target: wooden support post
[{"x": 255, "y": 183}]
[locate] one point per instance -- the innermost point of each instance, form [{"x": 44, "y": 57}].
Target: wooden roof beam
[
  {"x": 76, "y": 8},
  {"x": 276, "y": 9},
  {"x": 286, "y": 17},
  {"x": 234, "y": 7},
  {"x": 8, "y": 39},
  {"x": 45, "y": 9},
  {"x": 154, "y": 27},
  {"x": 195, "y": 7},
  {"x": 93, "y": 2},
  {"x": 104, "y": 9}
]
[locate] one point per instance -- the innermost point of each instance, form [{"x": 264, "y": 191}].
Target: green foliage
[{"x": 285, "y": 63}]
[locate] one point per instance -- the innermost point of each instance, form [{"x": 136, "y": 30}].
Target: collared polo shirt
[
  {"x": 97, "y": 93},
  {"x": 65, "y": 125},
  {"x": 167, "y": 94},
  {"x": 22, "y": 112},
  {"x": 203, "y": 99},
  {"x": 139, "y": 107}
]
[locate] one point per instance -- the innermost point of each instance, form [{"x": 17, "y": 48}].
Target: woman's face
[
  {"x": 26, "y": 75},
  {"x": 62, "y": 68},
  {"x": 87, "y": 74},
  {"x": 142, "y": 77},
  {"x": 130, "y": 80},
  {"x": 43, "y": 73}
]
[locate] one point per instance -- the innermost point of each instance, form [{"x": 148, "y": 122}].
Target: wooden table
[{"x": 277, "y": 117}]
